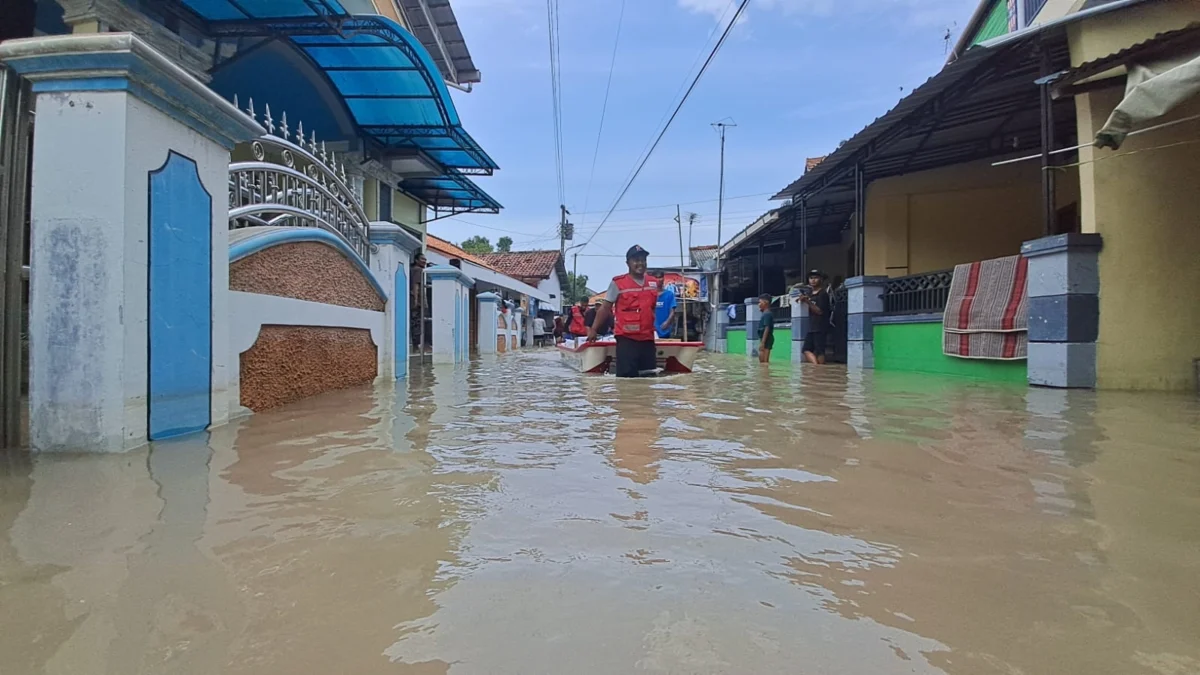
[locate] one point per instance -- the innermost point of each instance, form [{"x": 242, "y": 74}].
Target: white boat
[{"x": 598, "y": 357}]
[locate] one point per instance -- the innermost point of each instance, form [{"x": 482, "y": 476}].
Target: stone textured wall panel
[
  {"x": 289, "y": 363},
  {"x": 305, "y": 270}
]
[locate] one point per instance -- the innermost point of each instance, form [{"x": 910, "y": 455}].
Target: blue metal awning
[
  {"x": 384, "y": 75},
  {"x": 451, "y": 192}
]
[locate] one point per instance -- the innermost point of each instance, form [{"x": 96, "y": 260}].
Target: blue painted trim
[
  {"x": 401, "y": 324},
  {"x": 176, "y": 420},
  {"x": 291, "y": 235},
  {"x": 83, "y": 84}
]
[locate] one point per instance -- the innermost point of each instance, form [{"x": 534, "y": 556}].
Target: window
[
  {"x": 1032, "y": 7},
  {"x": 385, "y": 202}
]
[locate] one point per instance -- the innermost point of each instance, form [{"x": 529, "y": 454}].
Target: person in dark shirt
[
  {"x": 590, "y": 317},
  {"x": 818, "y": 318},
  {"x": 766, "y": 329}
]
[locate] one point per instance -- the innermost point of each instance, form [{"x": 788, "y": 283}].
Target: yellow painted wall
[
  {"x": 371, "y": 198},
  {"x": 388, "y": 8},
  {"x": 1145, "y": 206},
  {"x": 932, "y": 220},
  {"x": 407, "y": 211},
  {"x": 1056, "y": 9}
]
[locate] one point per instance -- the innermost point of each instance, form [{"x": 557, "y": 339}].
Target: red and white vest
[
  {"x": 576, "y": 326},
  {"x": 633, "y": 313}
]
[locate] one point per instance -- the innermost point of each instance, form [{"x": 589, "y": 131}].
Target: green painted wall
[
  {"x": 782, "y": 352},
  {"x": 735, "y": 341},
  {"x": 995, "y": 25},
  {"x": 917, "y": 348}
]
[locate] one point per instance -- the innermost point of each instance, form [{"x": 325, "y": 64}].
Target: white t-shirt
[{"x": 539, "y": 326}]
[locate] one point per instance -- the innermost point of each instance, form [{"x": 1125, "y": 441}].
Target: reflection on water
[{"x": 513, "y": 517}]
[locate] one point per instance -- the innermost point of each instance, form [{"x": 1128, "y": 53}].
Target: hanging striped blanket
[{"x": 986, "y": 315}]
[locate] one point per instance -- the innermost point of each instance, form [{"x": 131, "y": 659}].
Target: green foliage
[{"x": 477, "y": 245}]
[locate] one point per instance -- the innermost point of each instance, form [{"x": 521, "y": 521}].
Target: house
[
  {"x": 994, "y": 156},
  {"x": 544, "y": 270},
  {"x": 280, "y": 162}
]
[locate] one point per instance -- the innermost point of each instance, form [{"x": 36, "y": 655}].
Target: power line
[
  {"x": 698, "y": 201},
  {"x": 603, "y": 110},
  {"x": 716, "y": 48},
  {"x": 556, "y": 96},
  {"x": 699, "y": 54}
]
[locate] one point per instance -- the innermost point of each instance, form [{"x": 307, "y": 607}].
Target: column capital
[
  {"x": 106, "y": 62},
  {"x": 859, "y": 282},
  {"x": 388, "y": 233},
  {"x": 1063, "y": 243},
  {"x": 448, "y": 273},
  {"x": 487, "y": 296}
]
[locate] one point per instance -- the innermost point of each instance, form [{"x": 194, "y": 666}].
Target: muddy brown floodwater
[{"x": 514, "y": 517}]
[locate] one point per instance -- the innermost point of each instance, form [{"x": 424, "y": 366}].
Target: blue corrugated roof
[{"x": 387, "y": 79}]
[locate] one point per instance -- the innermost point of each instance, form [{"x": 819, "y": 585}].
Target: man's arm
[
  {"x": 602, "y": 316},
  {"x": 670, "y": 320}
]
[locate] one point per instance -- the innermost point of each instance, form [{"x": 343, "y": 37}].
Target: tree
[
  {"x": 477, "y": 245},
  {"x": 576, "y": 289},
  {"x": 504, "y": 245}
]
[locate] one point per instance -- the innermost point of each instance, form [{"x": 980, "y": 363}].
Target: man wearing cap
[
  {"x": 630, "y": 301},
  {"x": 818, "y": 318}
]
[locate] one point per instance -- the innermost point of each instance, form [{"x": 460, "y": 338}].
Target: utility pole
[
  {"x": 720, "y": 127},
  {"x": 682, "y": 274},
  {"x": 565, "y": 230}
]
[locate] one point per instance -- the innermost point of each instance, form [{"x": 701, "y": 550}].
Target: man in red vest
[
  {"x": 576, "y": 320},
  {"x": 631, "y": 300}
]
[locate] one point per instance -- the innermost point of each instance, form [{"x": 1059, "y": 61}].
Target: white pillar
[
  {"x": 449, "y": 287},
  {"x": 392, "y": 266},
  {"x": 519, "y": 325},
  {"x": 488, "y": 322},
  {"x": 129, "y": 286}
]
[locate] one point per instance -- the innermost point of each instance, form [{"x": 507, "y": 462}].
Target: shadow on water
[{"x": 511, "y": 516}]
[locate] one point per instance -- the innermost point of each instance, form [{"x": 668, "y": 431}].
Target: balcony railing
[
  {"x": 918, "y": 293},
  {"x": 295, "y": 184}
]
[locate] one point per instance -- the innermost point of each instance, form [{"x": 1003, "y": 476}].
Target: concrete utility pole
[
  {"x": 720, "y": 127},
  {"x": 565, "y": 230},
  {"x": 682, "y": 273}
]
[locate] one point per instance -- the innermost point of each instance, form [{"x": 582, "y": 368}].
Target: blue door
[{"x": 180, "y": 300}]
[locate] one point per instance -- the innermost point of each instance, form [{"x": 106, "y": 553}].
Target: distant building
[{"x": 544, "y": 270}]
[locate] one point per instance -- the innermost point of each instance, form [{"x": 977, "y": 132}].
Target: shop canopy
[{"x": 389, "y": 83}]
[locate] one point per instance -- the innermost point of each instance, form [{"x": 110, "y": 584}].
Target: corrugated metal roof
[
  {"x": 990, "y": 60},
  {"x": 995, "y": 23},
  {"x": 443, "y": 32}
]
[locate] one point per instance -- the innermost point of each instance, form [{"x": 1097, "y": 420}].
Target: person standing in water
[
  {"x": 766, "y": 329},
  {"x": 631, "y": 301},
  {"x": 577, "y": 325},
  {"x": 818, "y": 318}
]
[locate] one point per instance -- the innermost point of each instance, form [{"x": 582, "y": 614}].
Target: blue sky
[{"x": 797, "y": 76}]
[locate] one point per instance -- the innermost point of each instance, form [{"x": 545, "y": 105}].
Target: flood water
[{"x": 515, "y": 517}]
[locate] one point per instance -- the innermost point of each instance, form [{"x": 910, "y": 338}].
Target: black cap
[
  {"x": 636, "y": 251},
  {"x": 816, "y": 273}
]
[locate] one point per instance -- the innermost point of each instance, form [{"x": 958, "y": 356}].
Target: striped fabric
[{"x": 986, "y": 315}]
